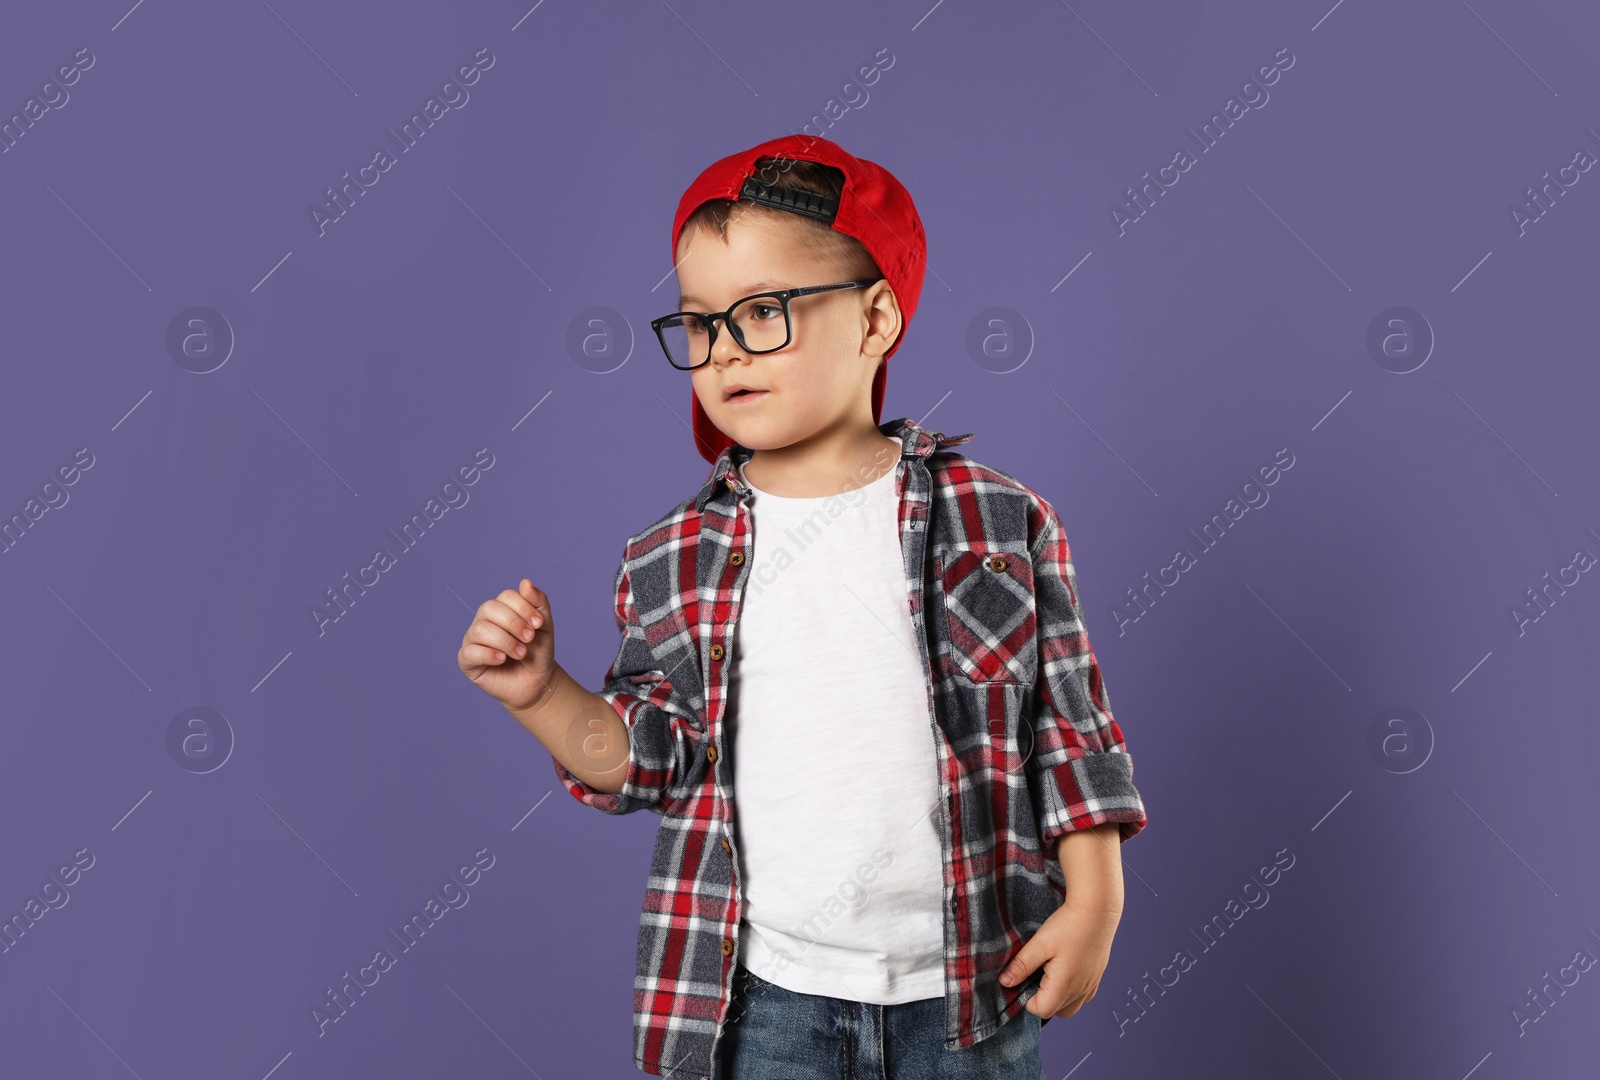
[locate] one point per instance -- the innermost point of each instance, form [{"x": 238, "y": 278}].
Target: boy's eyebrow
[{"x": 747, "y": 289}]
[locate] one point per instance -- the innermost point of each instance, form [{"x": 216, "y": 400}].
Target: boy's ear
[{"x": 885, "y": 317}]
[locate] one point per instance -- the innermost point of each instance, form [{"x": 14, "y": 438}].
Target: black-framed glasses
[{"x": 687, "y": 336}]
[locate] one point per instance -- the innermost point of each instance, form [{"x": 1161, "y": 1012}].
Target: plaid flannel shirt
[{"x": 1026, "y": 744}]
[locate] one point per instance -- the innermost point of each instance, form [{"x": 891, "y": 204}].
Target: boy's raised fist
[{"x": 509, "y": 650}]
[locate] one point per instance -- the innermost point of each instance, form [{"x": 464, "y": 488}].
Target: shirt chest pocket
[{"x": 989, "y": 615}]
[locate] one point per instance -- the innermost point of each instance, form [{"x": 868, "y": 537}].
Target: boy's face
[{"x": 820, "y": 382}]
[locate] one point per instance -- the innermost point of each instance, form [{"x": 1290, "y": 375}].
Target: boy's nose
[{"x": 725, "y": 349}]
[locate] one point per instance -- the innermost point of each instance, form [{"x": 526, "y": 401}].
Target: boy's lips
[{"x": 748, "y": 395}]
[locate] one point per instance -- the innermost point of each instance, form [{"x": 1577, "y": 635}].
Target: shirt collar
[{"x": 915, "y": 441}]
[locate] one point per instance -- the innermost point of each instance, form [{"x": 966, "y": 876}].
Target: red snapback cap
[{"x": 873, "y": 207}]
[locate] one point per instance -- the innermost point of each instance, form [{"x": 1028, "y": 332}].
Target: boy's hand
[
  {"x": 1074, "y": 945},
  {"x": 515, "y": 625}
]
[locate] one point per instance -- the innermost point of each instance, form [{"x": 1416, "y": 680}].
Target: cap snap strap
[{"x": 810, "y": 203}]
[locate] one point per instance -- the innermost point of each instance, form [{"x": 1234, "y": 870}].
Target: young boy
[{"x": 854, "y": 680}]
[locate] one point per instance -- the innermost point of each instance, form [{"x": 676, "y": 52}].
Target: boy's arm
[
  {"x": 1079, "y": 771},
  {"x": 579, "y": 729},
  {"x": 1078, "y": 936},
  {"x": 634, "y": 739},
  {"x": 1081, "y": 778},
  {"x": 1091, "y": 865}
]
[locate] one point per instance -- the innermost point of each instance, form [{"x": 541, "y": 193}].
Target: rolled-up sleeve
[
  {"x": 1079, "y": 772},
  {"x": 663, "y": 730}
]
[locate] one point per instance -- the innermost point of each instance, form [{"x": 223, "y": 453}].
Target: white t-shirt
[{"x": 835, "y": 773}]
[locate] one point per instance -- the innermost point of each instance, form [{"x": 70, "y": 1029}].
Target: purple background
[{"x": 1435, "y": 878}]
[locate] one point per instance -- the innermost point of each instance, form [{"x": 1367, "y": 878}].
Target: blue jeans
[{"x": 778, "y": 1034}]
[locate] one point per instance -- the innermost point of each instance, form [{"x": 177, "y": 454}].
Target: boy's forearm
[
  {"x": 581, "y": 730},
  {"x": 1091, "y": 862}
]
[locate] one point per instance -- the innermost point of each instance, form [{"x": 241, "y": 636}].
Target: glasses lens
[
  {"x": 685, "y": 338},
  {"x": 762, "y": 323}
]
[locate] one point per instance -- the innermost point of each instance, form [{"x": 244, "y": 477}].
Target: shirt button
[
  {"x": 711, "y": 753},
  {"x": 737, "y": 558},
  {"x": 727, "y": 946},
  {"x": 727, "y": 846},
  {"x": 997, "y": 562},
  {"x": 716, "y": 652}
]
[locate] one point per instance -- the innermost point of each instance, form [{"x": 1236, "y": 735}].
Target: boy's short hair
[{"x": 788, "y": 174}]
